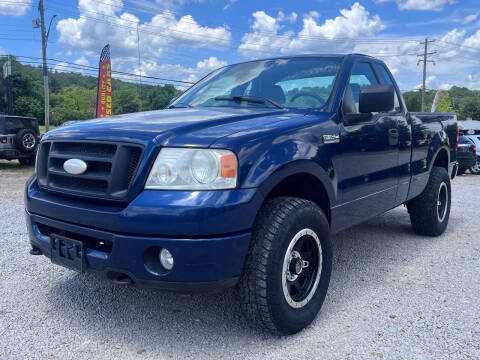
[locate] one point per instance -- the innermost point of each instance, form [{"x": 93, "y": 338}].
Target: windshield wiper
[
  {"x": 180, "y": 105},
  {"x": 252, "y": 99}
]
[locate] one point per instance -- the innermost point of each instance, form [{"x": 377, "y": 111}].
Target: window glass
[
  {"x": 386, "y": 79},
  {"x": 302, "y": 82},
  {"x": 362, "y": 75}
]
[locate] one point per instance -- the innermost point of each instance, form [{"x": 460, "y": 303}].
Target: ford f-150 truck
[{"x": 241, "y": 181}]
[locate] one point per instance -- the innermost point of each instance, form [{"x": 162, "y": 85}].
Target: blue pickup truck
[{"x": 241, "y": 181}]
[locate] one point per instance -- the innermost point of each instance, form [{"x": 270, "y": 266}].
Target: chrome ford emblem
[{"x": 75, "y": 166}]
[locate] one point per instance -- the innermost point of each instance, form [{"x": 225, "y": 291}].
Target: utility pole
[
  {"x": 45, "y": 35},
  {"x": 425, "y": 60},
  {"x": 139, "y": 67}
]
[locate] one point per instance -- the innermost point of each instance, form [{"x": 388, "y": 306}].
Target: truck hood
[{"x": 176, "y": 127}]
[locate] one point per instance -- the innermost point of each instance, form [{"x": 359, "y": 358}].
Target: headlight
[{"x": 193, "y": 169}]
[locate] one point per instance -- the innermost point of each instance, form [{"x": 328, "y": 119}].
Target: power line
[
  {"x": 113, "y": 71},
  {"x": 84, "y": 68}
]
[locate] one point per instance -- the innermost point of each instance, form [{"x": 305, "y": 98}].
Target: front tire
[
  {"x": 430, "y": 211},
  {"x": 288, "y": 267}
]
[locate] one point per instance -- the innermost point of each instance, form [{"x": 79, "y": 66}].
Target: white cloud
[
  {"x": 428, "y": 81},
  {"x": 62, "y": 67},
  {"x": 445, "y": 86},
  {"x": 468, "y": 19},
  {"x": 337, "y": 33},
  {"x": 2, "y": 51},
  {"x": 118, "y": 28},
  {"x": 176, "y": 71},
  {"x": 314, "y": 14},
  {"x": 292, "y": 18},
  {"x": 432, "y": 5},
  {"x": 229, "y": 4},
  {"x": 82, "y": 61},
  {"x": 15, "y": 7},
  {"x": 266, "y": 37}
]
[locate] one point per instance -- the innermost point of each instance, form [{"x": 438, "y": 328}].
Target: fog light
[{"x": 166, "y": 259}]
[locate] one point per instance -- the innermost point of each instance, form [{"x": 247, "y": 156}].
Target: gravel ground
[{"x": 393, "y": 295}]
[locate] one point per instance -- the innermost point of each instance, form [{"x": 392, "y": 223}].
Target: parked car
[
  {"x": 19, "y": 138},
  {"x": 475, "y": 169},
  {"x": 242, "y": 181},
  {"x": 466, "y": 154}
]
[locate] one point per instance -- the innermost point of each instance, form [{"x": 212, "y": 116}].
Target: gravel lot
[{"x": 393, "y": 295}]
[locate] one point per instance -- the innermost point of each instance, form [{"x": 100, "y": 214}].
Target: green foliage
[
  {"x": 460, "y": 100},
  {"x": 444, "y": 103},
  {"x": 470, "y": 108},
  {"x": 73, "y": 96}
]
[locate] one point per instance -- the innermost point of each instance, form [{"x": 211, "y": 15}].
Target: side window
[
  {"x": 387, "y": 79},
  {"x": 362, "y": 75}
]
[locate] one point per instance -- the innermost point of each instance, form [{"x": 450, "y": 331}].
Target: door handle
[{"x": 393, "y": 137}]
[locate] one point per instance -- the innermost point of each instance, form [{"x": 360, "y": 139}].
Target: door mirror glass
[{"x": 376, "y": 98}]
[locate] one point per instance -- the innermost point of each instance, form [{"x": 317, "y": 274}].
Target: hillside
[{"x": 73, "y": 95}]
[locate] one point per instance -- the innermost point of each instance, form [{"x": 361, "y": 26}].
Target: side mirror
[{"x": 376, "y": 98}]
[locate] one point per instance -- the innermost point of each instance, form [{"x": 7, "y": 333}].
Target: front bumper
[
  {"x": 199, "y": 263},
  {"x": 207, "y": 232}
]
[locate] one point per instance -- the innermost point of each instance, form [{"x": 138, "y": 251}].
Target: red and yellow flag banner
[{"x": 104, "y": 97}]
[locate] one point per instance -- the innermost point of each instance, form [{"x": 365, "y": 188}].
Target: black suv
[{"x": 19, "y": 138}]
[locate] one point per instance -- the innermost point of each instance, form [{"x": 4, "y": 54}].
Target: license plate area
[{"x": 67, "y": 252}]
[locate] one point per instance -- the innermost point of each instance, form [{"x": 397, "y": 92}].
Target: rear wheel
[
  {"x": 288, "y": 266},
  {"x": 475, "y": 169},
  {"x": 26, "y": 141},
  {"x": 430, "y": 211}
]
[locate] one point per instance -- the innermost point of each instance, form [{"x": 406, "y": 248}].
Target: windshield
[{"x": 302, "y": 83}]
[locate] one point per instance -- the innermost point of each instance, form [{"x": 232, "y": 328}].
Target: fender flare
[{"x": 300, "y": 167}]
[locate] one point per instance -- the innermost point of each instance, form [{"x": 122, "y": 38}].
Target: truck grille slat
[{"x": 110, "y": 168}]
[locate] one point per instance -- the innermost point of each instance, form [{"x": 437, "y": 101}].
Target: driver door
[{"x": 366, "y": 164}]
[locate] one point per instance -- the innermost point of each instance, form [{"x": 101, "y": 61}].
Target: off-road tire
[
  {"x": 260, "y": 289},
  {"x": 423, "y": 209},
  {"x": 20, "y": 141}
]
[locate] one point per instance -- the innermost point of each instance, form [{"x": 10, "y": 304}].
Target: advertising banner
[{"x": 104, "y": 97}]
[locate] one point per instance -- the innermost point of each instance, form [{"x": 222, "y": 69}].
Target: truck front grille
[{"x": 111, "y": 167}]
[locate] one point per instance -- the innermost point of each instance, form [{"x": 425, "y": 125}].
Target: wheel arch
[{"x": 303, "y": 179}]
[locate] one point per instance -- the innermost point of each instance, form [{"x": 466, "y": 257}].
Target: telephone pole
[
  {"x": 45, "y": 35},
  {"x": 425, "y": 60}
]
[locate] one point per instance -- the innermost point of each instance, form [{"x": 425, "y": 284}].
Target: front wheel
[
  {"x": 430, "y": 211},
  {"x": 288, "y": 267}
]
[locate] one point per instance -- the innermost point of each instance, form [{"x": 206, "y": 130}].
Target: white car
[{"x": 475, "y": 169}]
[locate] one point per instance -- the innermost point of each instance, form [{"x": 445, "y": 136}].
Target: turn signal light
[
  {"x": 228, "y": 166},
  {"x": 3, "y": 139}
]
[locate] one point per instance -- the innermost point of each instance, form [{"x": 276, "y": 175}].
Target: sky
[{"x": 186, "y": 39}]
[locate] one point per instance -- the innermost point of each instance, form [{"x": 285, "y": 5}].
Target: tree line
[
  {"x": 73, "y": 96},
  {"x": 460, "y": 100}
]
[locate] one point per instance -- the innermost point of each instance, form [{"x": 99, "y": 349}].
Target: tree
[
  {"x": 444, "y": 103},
  {"x": 125, "y": 101},
  {"x": 28, "y": 106},
  {"x": 470, "y": 108}
]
